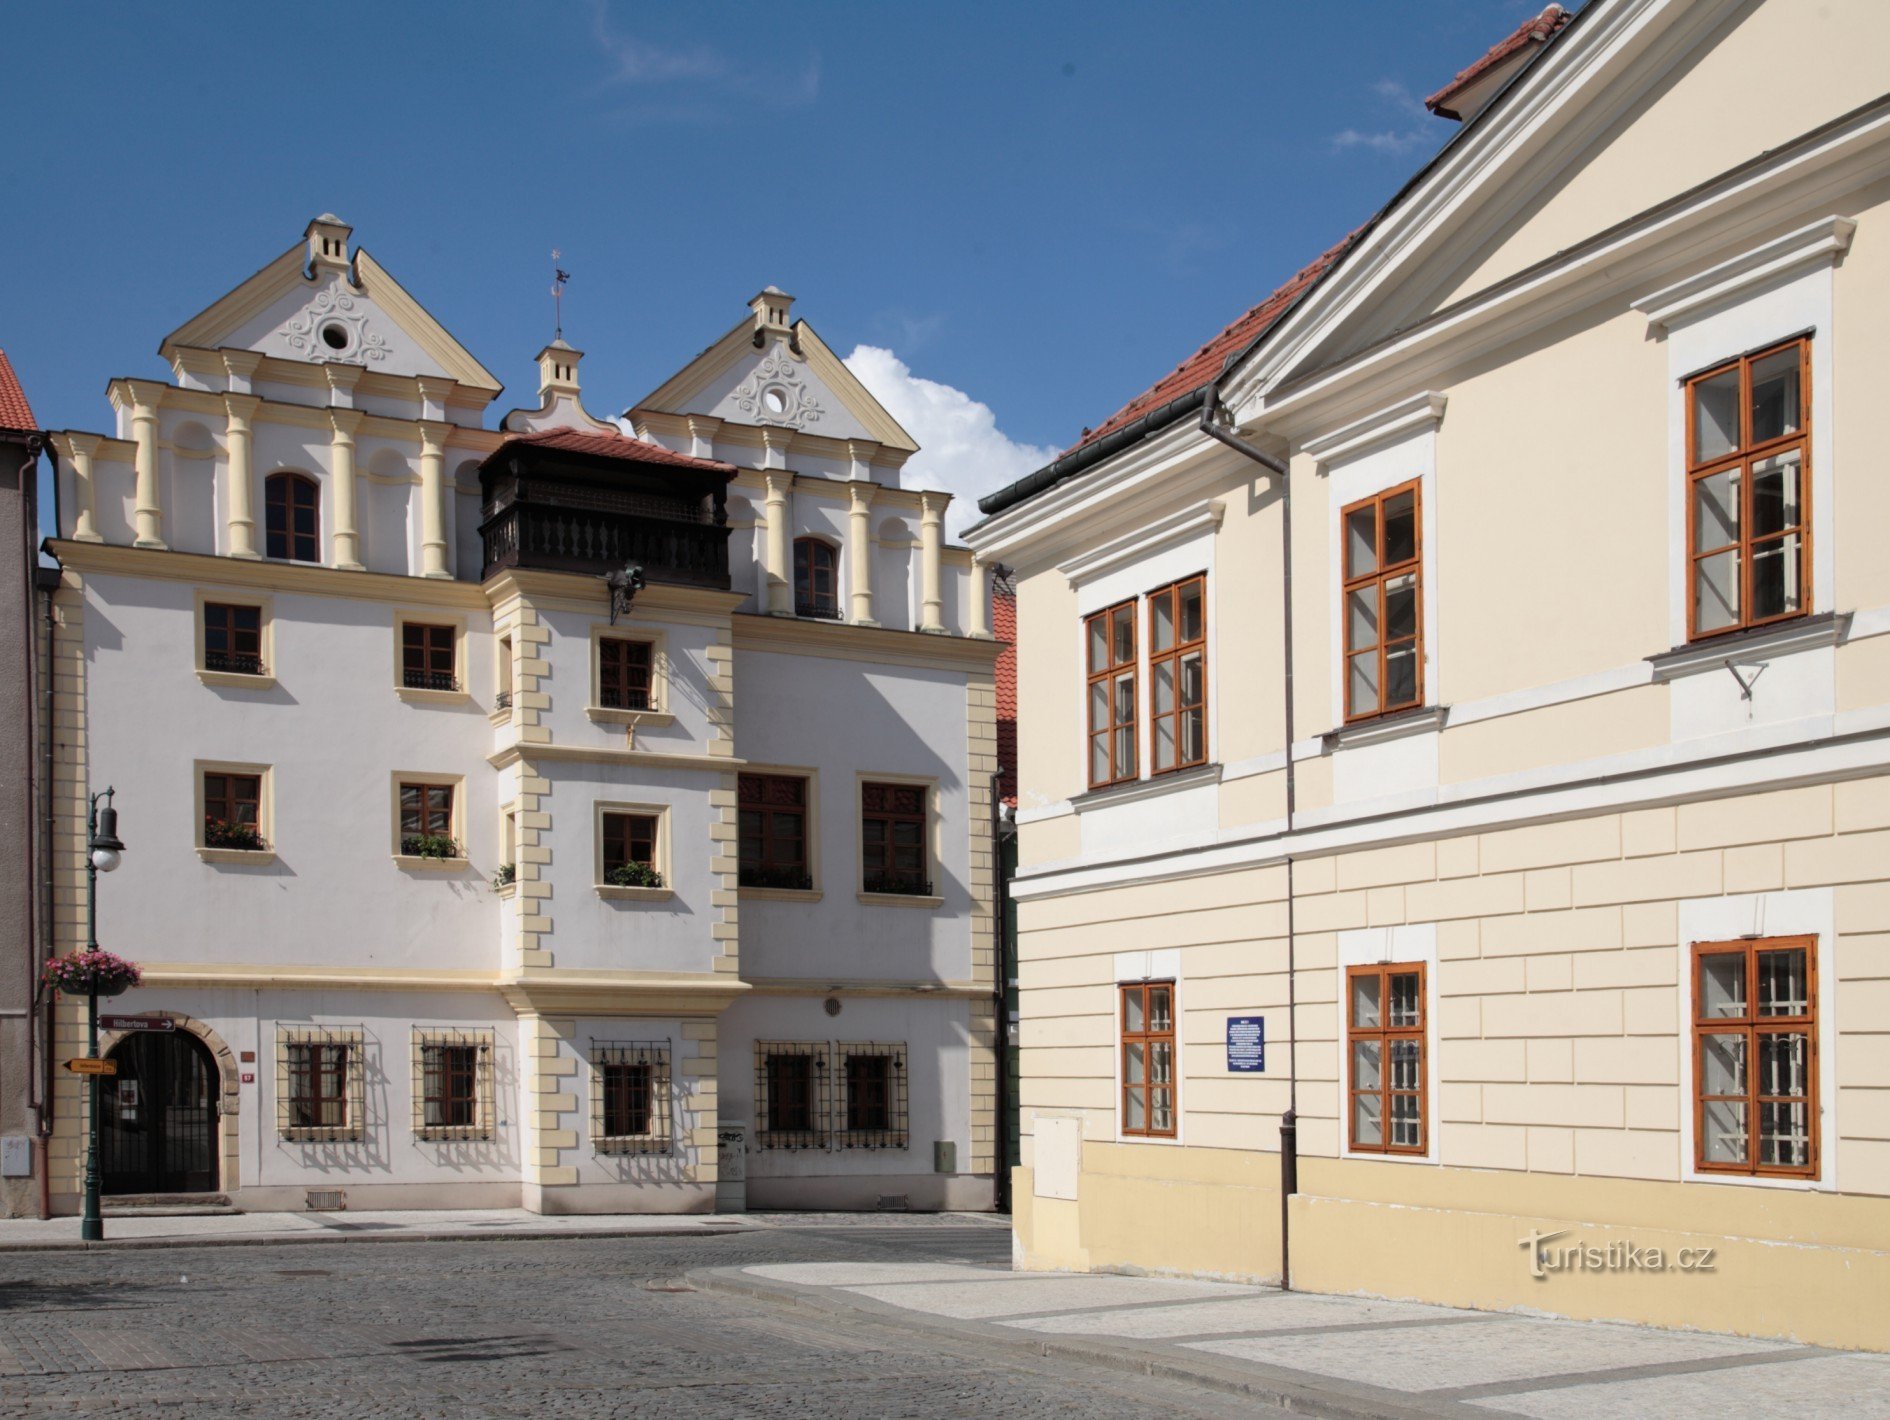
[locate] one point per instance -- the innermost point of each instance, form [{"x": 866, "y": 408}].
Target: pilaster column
[
  {"x": 81, "y": 447},
  {"x": 147, "y": 510},
  {"x": 980, "y": 617},
  {"x": 345, "y": 545},
  {"x": 931, "y": 557},
  {"x": 240, "y": 409},
  {"x": 860, "y": 552},
  {"x": 433, "y": 500},
  {"x": 779, "y": 570}
]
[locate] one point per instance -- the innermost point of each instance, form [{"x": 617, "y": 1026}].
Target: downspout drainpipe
[
  {"x": 999, "y": 1016},
  {"x": 1289, "y": 1123}
]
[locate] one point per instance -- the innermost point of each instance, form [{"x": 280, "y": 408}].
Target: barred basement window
[
  {"x": 630, "y": 1111},
  {"x": 872, "y": 1105},
  {"x": 452, "y": 1083},
  {"x": 319, "y": 1094},
  {"x": 791, "y": 1094}
]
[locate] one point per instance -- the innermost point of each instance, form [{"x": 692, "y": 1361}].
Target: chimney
[
  {"x": 558, "y": 372},
  {"x": 328, "y": 242},
  {"x": 771, "y": 311},
  {"x": 1473, "y": 90}
]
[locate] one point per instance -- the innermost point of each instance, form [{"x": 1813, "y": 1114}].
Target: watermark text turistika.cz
[{"x": 1609, "y": 1257}]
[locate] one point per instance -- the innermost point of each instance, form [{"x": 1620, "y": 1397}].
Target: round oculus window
[
  {"x": 335, "y": 335},
  {"x": 774, "y": 399}
]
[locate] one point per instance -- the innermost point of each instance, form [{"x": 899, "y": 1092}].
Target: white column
[
  {"x": 239, "y": 409},
  {"x": 779, "y": 571},
  {"x": 345, "y": 544},
  {"x": 860, "y": 552},
  {"x": 85, "y": 516},
  {"x": 931, "y": 555},
  {"x": 147, "y": 508},
  {"x": 433, "y": 500},
  {"x": 980, "y": 589}
]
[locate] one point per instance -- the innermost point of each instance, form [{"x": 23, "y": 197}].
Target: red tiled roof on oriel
[
  {"x": 615, "y": 446},
  {"x": 15, "y": 412}
]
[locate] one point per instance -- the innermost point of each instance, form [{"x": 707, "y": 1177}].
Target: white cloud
[
  {"x": 637, "y": 62},
  {"x": 1415, "y": 129},
  {"x": 961, "y": 449}
]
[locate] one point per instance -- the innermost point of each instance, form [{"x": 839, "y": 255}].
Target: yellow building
[{"x": 1471, "y": 674}]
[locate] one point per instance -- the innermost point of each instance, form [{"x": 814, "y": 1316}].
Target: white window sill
[
  {"x": 1398, "y": 725},
  {"x": 230, "y": 680},
  {"x": 253, "y": 856},
  {"x": 1168, "y": 782},
  {"x": 635, "y": 894},
  {"x": 1805, "y": 633},
  {"x": 432, "y": 697},
  {"x": 771, "y": 894},
  {"x": 894, "y": 899},
  {"x": 652, "y": 719},
  {"x": 430, "y": 865}
]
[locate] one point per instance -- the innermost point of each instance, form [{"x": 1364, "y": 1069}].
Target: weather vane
[{"x": 558, "y": 277}]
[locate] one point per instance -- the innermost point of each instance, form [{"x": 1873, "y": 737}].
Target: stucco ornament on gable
[
  {"x": 777, "y": 393},
  {"x": 333, "y": 328}
]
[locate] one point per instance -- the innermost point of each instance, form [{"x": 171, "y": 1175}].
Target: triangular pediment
[
  {"x": 1629, "y": 107},
  {"x": 332, "y": 315},
  {"x": 791, "y": 380}
]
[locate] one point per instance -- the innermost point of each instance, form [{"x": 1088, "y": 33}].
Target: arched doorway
[{"x": 158, "y": 1125}]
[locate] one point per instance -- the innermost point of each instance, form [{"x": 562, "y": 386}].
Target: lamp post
[{"x": 103, "y": 853}]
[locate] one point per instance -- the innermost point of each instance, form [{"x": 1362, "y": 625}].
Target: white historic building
[{"x": 510, "y": 812}]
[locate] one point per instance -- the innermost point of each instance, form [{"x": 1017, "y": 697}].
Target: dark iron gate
[{"x": 158, "y": 1126}]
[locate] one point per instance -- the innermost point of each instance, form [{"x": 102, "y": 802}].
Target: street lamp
[{"x": 104, "y": 851}]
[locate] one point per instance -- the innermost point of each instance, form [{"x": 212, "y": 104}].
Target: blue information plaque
[{"x": 1246, "y": 1044}]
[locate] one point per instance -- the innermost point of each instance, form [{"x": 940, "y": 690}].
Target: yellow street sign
[{"x": 83, "y": 1065}]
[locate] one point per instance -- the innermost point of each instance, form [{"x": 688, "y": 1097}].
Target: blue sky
[{"x": 1038, "y": 208}]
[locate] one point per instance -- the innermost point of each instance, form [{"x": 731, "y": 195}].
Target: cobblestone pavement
[{"x": 571, "y": 1328}]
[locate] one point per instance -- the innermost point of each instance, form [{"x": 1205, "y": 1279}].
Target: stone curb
[
  {"x": 1288, "y": 1390},
  {"x": 430, "y": 1236}
]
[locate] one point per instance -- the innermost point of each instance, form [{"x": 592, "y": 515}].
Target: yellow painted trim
[
  {"x": 417, "y": 776},
  {"x": 305, "y": 578},
  {"x": 834, "y": 373},
  {"x": 660, "y": 850},
  {"x": 247, "y": 300},
  {"x": 812, "y": 776},
  {"x": 934, "y": 838},
  {"x": 265, "y": 807},
  {"x": 255, "y": 976},
  {"x": 620, "y": 993},
  {"x": 658, "y": 642},
  {"x": 928, "y": 990},
  {"x": 461, "y": 659},
  {"x": 251, "y": 857},
  {"x": 648, "y": 759},
  {"x": 418, "y": 322}
]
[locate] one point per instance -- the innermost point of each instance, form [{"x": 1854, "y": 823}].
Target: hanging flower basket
[{"x": 91, "y": 974}]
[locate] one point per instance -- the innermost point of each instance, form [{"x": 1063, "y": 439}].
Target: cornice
[
  {"x": 1820, "y": 243},
  {"x": 522, "y": 751},
  {"x": 1421, "y": 413},
  {"x": 805, "y": 986},
  {"x": 254, "y": 975},
  {"x": 620, "y": 993},
  {"x": 305, "y": 416},
  {"x": 841, "y": 641},
  {"x": 583, "y": 592},
  {"x": 1178, "y": 526},
  {"x": 204, "y": 570}
]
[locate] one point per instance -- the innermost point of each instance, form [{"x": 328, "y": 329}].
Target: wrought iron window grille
[
  {"x": 792, "y": 1100},
  {"x": 320, "y": 1096},
  {"x": 452, "y": 1084},
  {"x": 758, "y": 876},
  {"x": 630, "y": 1097},
  {"x": 233, "y": 662},
  {"x": 871, "y": 1111},
  {"x": 429, "y": 680},
  {"x": 502, "y": 701}
]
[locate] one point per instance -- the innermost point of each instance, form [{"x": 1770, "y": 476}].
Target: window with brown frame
[
  {"x": 816, "y": 578},
  {"x": 292, "y": 517},
  {"x": 318, "y": 1084},
  {"x": 426, "y": 821},
  {"x": 1385, "y": 1055},
  {"x": 629, "y": 850},
  {"x": 791, "y": 1094},
  {"x": 232, "y": 810},
  {"x": 232, "y": 638},
  {"x": 427, "y": 656},
  {"x": 1382, "y": 603},
  {"x": 1149, "y": 1107},
  {"x": 773, "y": 831},
  {"x": 1110, "y": 638},
  {"x": 1749, "y": 491},
  {"x": 892, "y": 839},
  {"x": 1177, "y": 675},
  {"x": 623, "y": 674},
  {"x": 451, "y": 1085},
  {"x": 872, "y": 1110},
  {"x": 1755, "y": 1057},
  {"x": 630, "y": 1111}
]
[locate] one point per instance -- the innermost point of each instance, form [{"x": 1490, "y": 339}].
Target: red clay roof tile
[
  {"x": 1531, "y": 31},
  {"x": 15, "y": 412},
  {"x": 616, "y": 446},
  {"x": 1207, "y": 362}
]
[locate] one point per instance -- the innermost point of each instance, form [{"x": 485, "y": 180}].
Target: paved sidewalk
[
  {"x": 234, "y": 1229},
  {"x": 1340, "y": 1356}
]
